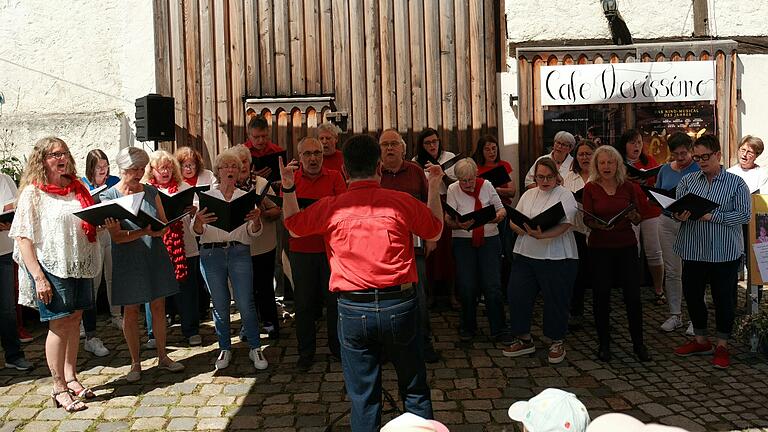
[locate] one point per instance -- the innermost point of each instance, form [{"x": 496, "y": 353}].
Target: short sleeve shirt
[{"x": 328, "y": 183}]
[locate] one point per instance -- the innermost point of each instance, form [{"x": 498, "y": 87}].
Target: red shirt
[
  {"x": 334, "y": 162},
  {"x": 328, "y": 183},
  {"x": 605, "y": 206},
  {"x": 645, "y": 207},
  {"x": 268, "y": 149},
  {"x": 410, "y": 178},
  {"x": 368, "y": 233}
]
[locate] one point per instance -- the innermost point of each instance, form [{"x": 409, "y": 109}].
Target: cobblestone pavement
[{"x": 472, "y": 386}]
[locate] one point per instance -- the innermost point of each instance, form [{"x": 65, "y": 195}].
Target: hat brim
[{"x": 517, "y": 410}]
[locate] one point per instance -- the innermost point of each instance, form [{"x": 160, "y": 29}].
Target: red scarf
[
  {"x": 174, "y": 237},
  {"x": 478, "y": 234},
  {"x": 191, "y": 181},
  {"x": 82, "y": 195}
]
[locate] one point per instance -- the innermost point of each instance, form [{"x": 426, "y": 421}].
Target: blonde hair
[
  {"x": 241, "y": 150},
  {"x": 227, "y": 156},
  {"x": 621, "y": 172},
  {"x": 464, "y": 168},
  {"x": 34, "y": 171},
  {"x": 160, "y": 157},
  {"x": 755, "y": 143},
  {"x": 186, "y": 152}
]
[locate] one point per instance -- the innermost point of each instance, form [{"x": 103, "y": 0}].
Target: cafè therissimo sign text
[{"x": 628, "y": 83}]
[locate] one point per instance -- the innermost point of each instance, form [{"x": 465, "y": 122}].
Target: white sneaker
[
  {"x": 672, "y": 323},
  {"x": 82, "y": 330},
  {"x": 117, "y": 321},
  {"x": 223, "y": 361},
  {"x": 259, "y": 361},
  {"x": 689, "y": 330},
  {"x": 195, "y": 340},
  {"x": 95, "y": 346},
  {"x": 151, "y": 344}
]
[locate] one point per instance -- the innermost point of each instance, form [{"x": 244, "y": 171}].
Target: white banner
[{"x": 628, "y": 83}]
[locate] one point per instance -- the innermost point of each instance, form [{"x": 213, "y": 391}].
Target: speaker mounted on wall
[{"x": 155, "y": 120}]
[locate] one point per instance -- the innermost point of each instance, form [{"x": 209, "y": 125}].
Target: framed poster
[
  {"x": 757, "y": 241},
  {"x": 656, "y": 122}
]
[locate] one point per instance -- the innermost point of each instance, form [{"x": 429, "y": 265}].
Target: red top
[
  {"x": 334, "y": 162},
  {"x": 268, "y": 149},
  {"x": 484, "y": 169},
  {"x": 368, "y": 235},
  {"x": 605, "y": 206},
  {"x": 410, "y": 178},
  {"x": 328, "y": 183},
  {"x": 645, "y": 207}
]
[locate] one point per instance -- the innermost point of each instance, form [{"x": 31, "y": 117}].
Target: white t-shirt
[
  {"x": 241, "y": 234},
  {"x": 8, "y": 193},
  {"x": 574, "y": 183},
  {"x": 756, "y": 178},
  {"x": 190, "y": 242},
  {"x": 535, "y": 201},
  {"x": 464, "y": 204},
  {"x": 268, "y": 238},
  {"x": 206, "y": 177},
  {"x": 444, "y": 157},
  {"x": 565, "y": 167}
]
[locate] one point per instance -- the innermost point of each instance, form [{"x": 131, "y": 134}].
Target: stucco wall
[{"x": 73, "y": 69}]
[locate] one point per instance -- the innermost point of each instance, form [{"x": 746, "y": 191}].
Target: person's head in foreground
[
  {"x": 409, "y": 422},
  {"x": 615, "y": 422},
  {"x": 552, "y": 410}
]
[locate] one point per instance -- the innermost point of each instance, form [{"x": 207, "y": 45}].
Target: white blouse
[
  {"x": 60, "y": 243},
  {"x": 190, "y": 242},
  {"x": 756, "y": 178},
  {"x": 268, "y": 238},
  {"x": 535, "y": 201},
  {"x": 445, "y": 156},
  {"x": 574, "y": 183},
  {"x": 8, "y": 193},
  {"x": 464, "y": 204},
  {"x": 242, "y": 234},
  {"x": 206, "y": 177}
]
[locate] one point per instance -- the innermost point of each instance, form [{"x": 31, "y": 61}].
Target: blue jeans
[
  {"x": 554, "y": 278},
  {"x": 481, "y": 264},
  {"x": 9, "y": 336},
  {"x": 368, "y": 331},
  {"x": 234, "y": 262}
]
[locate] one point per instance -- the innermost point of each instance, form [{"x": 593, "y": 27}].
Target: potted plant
[
  {"x": 752, "y": 330},
  {"x": 9, "y": 164}
]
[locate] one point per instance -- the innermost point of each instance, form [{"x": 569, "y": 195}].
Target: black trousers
[
  {"x": 722, "y": 278},
  {"x": 583, "y": 277},
  {"x": 264, "y": 288},
  {"x": 311, "y": 274},
  {"x": 612, "y": 267}
]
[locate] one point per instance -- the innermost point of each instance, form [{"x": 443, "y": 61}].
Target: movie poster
[{"x": 656, "y": 122}]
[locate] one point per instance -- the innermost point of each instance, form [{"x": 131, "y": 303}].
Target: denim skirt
[{"x": 69, "y": 295}]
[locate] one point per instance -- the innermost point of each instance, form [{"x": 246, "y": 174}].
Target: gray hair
[
  {"x": 328, "y": 127},
  {"x": 241, "y": 151},
  {"x": 131, "y": 157},
  {"x": 565, "y": 137},
  {"x": 465, "y": 168}
]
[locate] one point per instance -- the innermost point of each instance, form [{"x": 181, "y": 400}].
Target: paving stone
[
  {"x": 150, "y": 411},
  {"x": 116, "y": 413},
  {"x": 74, "y": 425},
  {"x": 182, "y": 412},
  {"x": 182, "y": 424},
  {"x": 40, "y": 426},
  {"x": 151, "y": 423},
  {"x": 113, "y": 427},
  {"x": 215, "y": 424},
  {"x": 22, "y": 413}
]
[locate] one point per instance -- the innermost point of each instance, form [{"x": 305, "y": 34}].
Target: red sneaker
[
  {"x": 694, "y": 348},
  {"x": 25, "y": 336},
  {"x": 722, "y": 359}
]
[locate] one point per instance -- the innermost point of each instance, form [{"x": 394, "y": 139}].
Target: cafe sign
[{"x": 609, "y": 83}]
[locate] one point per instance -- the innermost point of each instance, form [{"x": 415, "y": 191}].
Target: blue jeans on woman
[
  {"x": 369, "y": 330},
  {"x": 479, "y": 264},
  {"x": 233, "y": 262}
]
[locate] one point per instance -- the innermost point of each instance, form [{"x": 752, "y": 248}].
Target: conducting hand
[{"x": 287, "y": 172}]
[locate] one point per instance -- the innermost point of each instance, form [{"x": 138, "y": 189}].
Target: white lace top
[{"x": 61, "y": 245}]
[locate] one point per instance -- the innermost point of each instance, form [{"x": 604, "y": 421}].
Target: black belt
[
  {"x": 221, "y": 244},
  {"x": 374, "y": 294}
]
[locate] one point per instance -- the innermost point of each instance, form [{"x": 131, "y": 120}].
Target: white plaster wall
[
  {"x": 738, "y": 17},
  {"x": 753, "y": 106},
  {"x": 73, "y": 69}
]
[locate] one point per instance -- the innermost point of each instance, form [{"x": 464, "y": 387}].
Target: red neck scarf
[
  {"x": 174, "y": 237},
  {"x": 478, "y": 234},
  {"x": 191, "y": 181},
  {"x": 82, "y": 195}
]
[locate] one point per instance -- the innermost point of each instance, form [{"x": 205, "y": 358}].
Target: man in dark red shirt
[
  {"x": 406, "y": 176},
  {"x": 368, "y": 233},
  {"x": 309, "y": 263},
  {"x": 259, "y": 144},
  {"x": 328, "y": 134}
]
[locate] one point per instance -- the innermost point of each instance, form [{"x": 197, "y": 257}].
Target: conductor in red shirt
[{"x": 368, "y": 233}]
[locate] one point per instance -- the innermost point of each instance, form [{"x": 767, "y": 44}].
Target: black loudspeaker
[{"x": 155, "y": 119}]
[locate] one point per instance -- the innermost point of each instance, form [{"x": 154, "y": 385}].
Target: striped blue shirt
[{"x": 719, "y": 239}]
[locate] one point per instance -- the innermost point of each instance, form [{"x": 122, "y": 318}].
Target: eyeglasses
[
  {"x": 316, "y": 153},
  {"x": 467, "y": 180},
  {"x": 57, "y": 155},
  {"x": 747, "y": 152},
  {"x": 582, "y": 155},
  {"x": 189, "y": 166},
  {"x": 681, "y": 154},
  {"x": 432, "y": 142},
  {"x": 542, "y": 178},
  {"x": 562, "y": 144},
  {"x": 702, "y": 157},
  {"x": 390, "y": 144}
]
